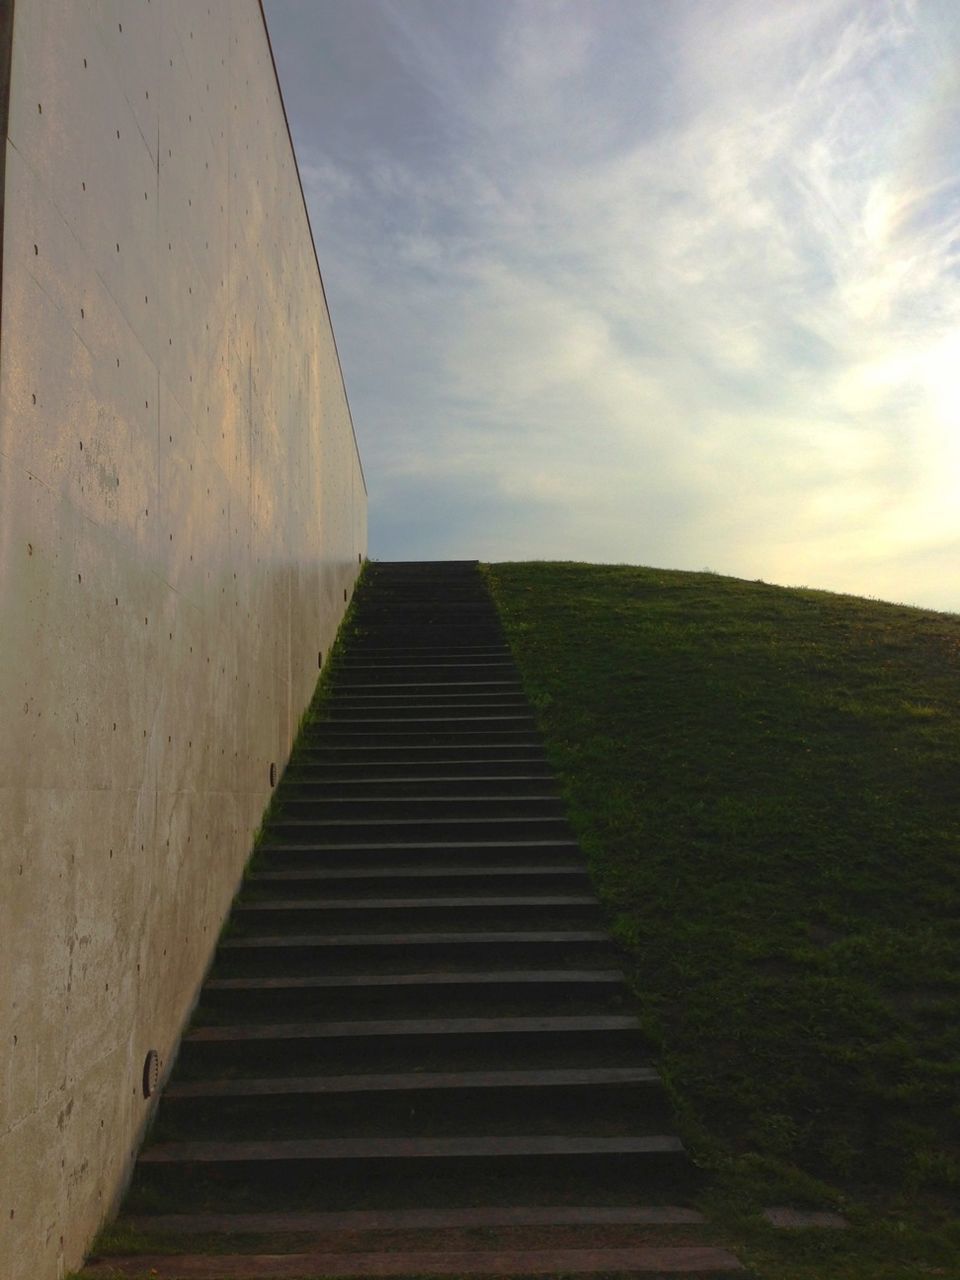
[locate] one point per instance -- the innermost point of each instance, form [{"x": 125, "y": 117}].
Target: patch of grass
[{"x": 765, "y": 783}]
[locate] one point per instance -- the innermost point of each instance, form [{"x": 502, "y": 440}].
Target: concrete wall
[{"x": 182, "y": 512}]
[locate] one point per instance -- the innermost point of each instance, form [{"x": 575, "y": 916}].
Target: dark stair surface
[{"x": 415, "y": 1052}]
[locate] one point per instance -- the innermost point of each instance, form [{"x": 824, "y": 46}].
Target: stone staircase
[{"x": 415, "y": 1054}]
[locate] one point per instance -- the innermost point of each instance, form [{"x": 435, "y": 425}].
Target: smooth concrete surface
[{"x": 182, "y": 515}]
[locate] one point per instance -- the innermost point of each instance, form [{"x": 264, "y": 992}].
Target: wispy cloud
[{"x": 670, "y": 284}]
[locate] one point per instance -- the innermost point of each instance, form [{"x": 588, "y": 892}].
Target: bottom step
[
  {"x": 418, "y": 1219},
  {"x": 683, "y": 1260}
]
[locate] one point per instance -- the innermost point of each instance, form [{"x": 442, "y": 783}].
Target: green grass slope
[{"x": 767, "y": 784}]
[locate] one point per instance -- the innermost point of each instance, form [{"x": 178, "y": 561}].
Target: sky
[{"x": 658, "y": 282}]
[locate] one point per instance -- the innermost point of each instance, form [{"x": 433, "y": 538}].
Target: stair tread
[
  {"x": 381, "y": 697},
  {"x": 406, "y": 939},
  {"x": 410, "y": 690},
  {"x": 493, "y": 977},
  {"x": 509, "y": 1262},
  {"x": 443, "y": 752},
  {"x": 429, "y": 801},
  {"x": 344, "y": 721},
  {"x": 416, "y": 873},
  {"x": 428, "y": 778},
  {"x": 411, "y": 822},
  {"x": 418, "y": 1081},
  {"x": 408, "y": 1148},
  {"x": 412, "y": 904},
  {"x": 418, "y": 1219},
  {"x": 555, "y": 843},
  {"x": 411, "y": 1027}
]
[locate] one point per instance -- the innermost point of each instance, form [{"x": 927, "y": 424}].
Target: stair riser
[
  {"x": 357, "y": 691},
  {"x": 290, "y": 831},
  {"x": 422, "y": 646},
  {"x": 390, "y": 883},
  {"x": 585, "y": 1110},
  {"x": 411, "y": 1053},
  {"x": 467, "y": 621},
  {"x": 425, "y": 670},
  {"x": 465, "y": 602},
  {"x": 417, "y": 737},
  {"x": 229, "y": 1006},
  {"x": 297, "y": 807},
  {"x": 304, "y": 784},
  {"x": 492, "y": 728},
  {"x": 421, "y": 611},
  {"x": 342, "y": 761},
  {"x": 442, "y": 634},
  {"x": 422, "y": 709},
  {"x": 261, "y": 919},
  {"x": 372, "y": 1184},
  {"x": 288, "y": 857},
  {"x": 371, "y": 652},
  {"x": 276, "y": 961}
]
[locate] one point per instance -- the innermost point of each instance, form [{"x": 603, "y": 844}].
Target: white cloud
[{"x": 663, "y": 283}]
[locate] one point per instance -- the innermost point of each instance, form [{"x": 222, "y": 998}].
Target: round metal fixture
[{"x": 151, "y": 1073}]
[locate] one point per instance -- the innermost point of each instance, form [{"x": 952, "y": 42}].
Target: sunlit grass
[{"x": 767, "y": 784}]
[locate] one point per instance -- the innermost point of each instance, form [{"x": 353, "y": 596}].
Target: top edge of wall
[
  {"x": 306, "y": 211},
  {"x": 6, "y": 49}
]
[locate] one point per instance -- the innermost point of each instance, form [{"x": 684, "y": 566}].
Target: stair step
[
  {"x": 397, "y": 611},
  {"x": 476, "y": 829},
  {"x": 434, "y": 668},
  {"x": 498, "y": 978},
  {"x": 416, "y": 1082},
  {"x": 415, "y": 761},
  {"x": 420, "y": 1103},
  {"x": 501, "y": 942},
  {"x": 422, "y": 655},
  {"x": 375, "y": 689},
  {"x": 433, "y": 994},
  {"x": 376, "y": 874},
  {"x": 336, "y": 807},
  {"x": 448, "y": 754},
  {"x": 392, "y": 710},
  {"x": 417, "y": 734},
  {"x": 432, "y": 1149},
  {"x": 384, "y": 953},
  {"x": 416, "y": 914},
  {"x": 416, "y": 853},
  {"x": 423, "y": 724},
  {"x": 493, "y": 653},
  {"x": 419, "y": 877},
  {"x": 442, "y": 698},
  {"x": 691, "y": 1260},
  {"x": 417, "y": 1219},
  {"x": 297, "y": 906},
  {"x": 392, "y": 1045},
  {"x": 443, "y": 635},
  {"x": 314, "y": 780},
  {"x": 406, "y": 1028},
  {"x": 398, "y": 1043}
]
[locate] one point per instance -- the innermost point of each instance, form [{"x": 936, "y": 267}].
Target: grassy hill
[{"x": 767, "y": 784}]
